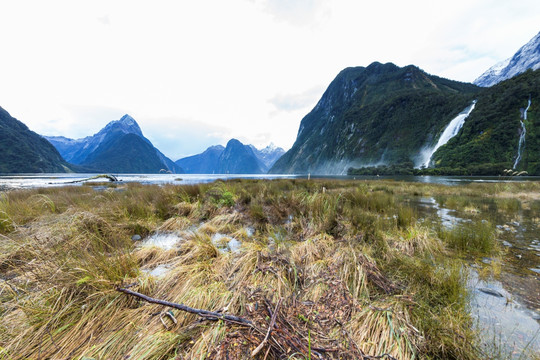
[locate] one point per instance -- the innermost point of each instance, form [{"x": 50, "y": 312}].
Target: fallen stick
[
  {"x": 272, "y": 322},
  {"x": 201, "y": 312}
]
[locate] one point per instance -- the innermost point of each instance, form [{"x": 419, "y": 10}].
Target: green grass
[{"x": 477, "y": 238}]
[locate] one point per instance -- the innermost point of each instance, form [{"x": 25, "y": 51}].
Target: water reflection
[
  {"x": 507, "y": 310},
  {"x": 504, "y": 323}
]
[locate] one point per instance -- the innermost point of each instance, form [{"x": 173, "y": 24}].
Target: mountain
[
  {"x": 76, "y": 151},
  {"x": 503, "y": 131},
  {"x": 126, "y": 154},
  {"x": 89, "y": 151},
  {"x": 379, "y": 114},
  {"x": 269, "y": 155},
  {"x": 204, "y": 163},
  {"x": 528, "y": 57},
  {"x": 24, "y": 151},
  {"x": 236, "y": 158}
]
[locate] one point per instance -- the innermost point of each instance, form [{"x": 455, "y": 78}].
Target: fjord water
[{"x": 28, "y": 181}]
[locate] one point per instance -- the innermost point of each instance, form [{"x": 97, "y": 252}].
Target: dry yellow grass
[{"x": 351, "y": 279}]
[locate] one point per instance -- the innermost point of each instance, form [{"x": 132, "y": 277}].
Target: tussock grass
[
  {"x": 355, "y": 270},
  {"x": 471, "y": 238}
]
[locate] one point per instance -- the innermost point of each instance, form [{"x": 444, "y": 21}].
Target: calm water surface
[
  {"x": 506, "y": 308},
  {"x": 21, "y": 181}
]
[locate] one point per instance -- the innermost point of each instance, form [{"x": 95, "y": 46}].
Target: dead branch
[
  {"x": 181, "y": 307},
  {"x": 272, "y": 322}
]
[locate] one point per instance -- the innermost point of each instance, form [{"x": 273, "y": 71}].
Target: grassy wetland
[{"x": 335, "y": 269}]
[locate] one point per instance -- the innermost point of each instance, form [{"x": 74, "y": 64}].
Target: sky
[{"x": 198, "y": 73}]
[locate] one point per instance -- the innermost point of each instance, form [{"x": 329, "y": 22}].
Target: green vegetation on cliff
[
  {"x": 490, "y": 135},
  {"x": 378, "y": 114},
  {"x": 24, "y": 151}
]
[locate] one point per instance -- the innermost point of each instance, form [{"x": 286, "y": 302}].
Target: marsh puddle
[
  {"x": 158, "y": 271},
  {"x": 428, "y": 207},
  {"x": 507, "y": 310},
  {"x": 163, "y": 240},
  {"x": 226, "y": 243}
]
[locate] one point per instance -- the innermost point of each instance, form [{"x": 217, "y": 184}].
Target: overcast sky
[{"x": 196, "y": 73}]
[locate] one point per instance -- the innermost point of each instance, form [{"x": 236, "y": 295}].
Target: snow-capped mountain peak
[
  {"x": 527, "y": 57},
  {"x": 126, "y": 124}
]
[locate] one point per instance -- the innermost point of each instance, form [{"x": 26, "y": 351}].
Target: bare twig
[
  {"x": 272, "y": 322},
  {"x": 188, "y": 309}
]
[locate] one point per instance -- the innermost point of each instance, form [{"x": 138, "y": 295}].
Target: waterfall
[
  {"x": 527, "y": 109},
  {"x": 451, "y": 130},
  {"x": 521, "y": 144}
]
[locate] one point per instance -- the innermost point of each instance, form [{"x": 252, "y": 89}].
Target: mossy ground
[{"x": 354, "y": 274}]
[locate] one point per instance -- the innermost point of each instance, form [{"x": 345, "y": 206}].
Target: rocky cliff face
[
  {"x": 527, "y": 57},
  {"x": 380, "y": 114}
]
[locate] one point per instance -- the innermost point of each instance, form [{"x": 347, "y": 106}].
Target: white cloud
[
  {"x": 301, "y": 101},
  {"x": 240, "y": 68}
]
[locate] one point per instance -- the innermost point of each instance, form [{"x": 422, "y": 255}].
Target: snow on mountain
[
  {"x": 527, "y": 57},
  {"x": 85, "y": 150},
  {"x": 268, "y": 155},
  {"x": 235, "y": 158}
]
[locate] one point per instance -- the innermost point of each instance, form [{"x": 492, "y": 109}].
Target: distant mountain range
[
  {"x": 379, "y": 115},
  {"x": 235, "y": 158},
  {"x": 527, "y": 57},
  {"x": 24, "y": 151},
  {"x": 119, "y": 147}
]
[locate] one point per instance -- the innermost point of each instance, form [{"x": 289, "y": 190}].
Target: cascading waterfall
[
  {"x": 451, "y": 130},
  {"x": 521, "y": 144}
]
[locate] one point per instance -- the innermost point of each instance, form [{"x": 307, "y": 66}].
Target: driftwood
[
  {"x": 111, "y": 178},
  {"x": 102, "y": 176},
  {"x": 205, "y": 313}
]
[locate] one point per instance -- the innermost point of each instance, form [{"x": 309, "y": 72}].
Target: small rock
[
  {"x": 506, "y": 243},
  {"x": 515, "y": 223},
  {"x": 136, "y": 237},
  {"x": 491, "y": 292},
  {"x": 536, "y": 317},
  {"x": 519, "y": 256},
  {"x": 486, "y": 260}
]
